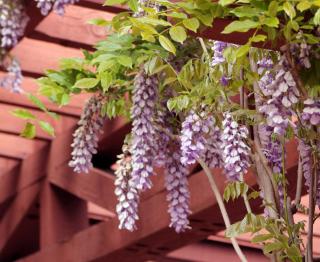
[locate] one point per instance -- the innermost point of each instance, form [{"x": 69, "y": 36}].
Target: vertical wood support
[{"x": 61, "y": 215}]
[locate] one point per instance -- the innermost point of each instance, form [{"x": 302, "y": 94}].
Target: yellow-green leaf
[
  {"x": 178, "y": 34},
  {"x": 240, "y": 26},
  {"x": 191, "y": 24},
  {"x": 46, "y": 127},
  {"x": 289, "y": 9},
  {"x": 303, "y": 5},
  {"x": 29, "y": 131},
  {"x": 87, "y": 83},
  {"x": 167, "y": 44}
]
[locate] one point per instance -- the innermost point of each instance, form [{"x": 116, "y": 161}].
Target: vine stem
[
  {"x": 297, "y": 199},
  {"x": 222, "y": 207}
]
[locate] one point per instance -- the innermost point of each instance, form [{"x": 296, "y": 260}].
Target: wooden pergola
[{"x": 48, "y": 213}]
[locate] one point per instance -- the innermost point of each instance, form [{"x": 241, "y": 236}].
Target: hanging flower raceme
[
  {"x": 301, "y": 51},
  {"x": 307, "y": 167},
  {"x": 235, "y": 149},
  {"x": 13, "y": 21},
  {"x": 126, "y": 192},
  {"x": 143, "y": 130},
  {"x": 311, "y": 112},
  {"x": 272, "y": 148},
  {"x": 194, "y": 136},
  {"x": 57, "y": 5},
  {"x": 283, "y": 94},
  {"x": 178, "y": 192},
  {"x": 213, "y": 153},
  {"x": 86, "y": 137},
  {"x": 13, "y": 79}
]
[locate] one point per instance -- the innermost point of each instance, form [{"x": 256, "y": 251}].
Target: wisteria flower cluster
[
  {"x": 178, "y": 192},
  {"x": 235, "y": 149},
  {"x": 56, "y": 5},
  {"x": 194, "y": 132},
  {"x": 126, "y": 192},
  {"x": 13, "y": 79},
  {"x": 86, "y": 136},
  {"x": 143, "y": 131},
  {"x": 307, "y": 167},
  {"x": 13, "y": 21}
]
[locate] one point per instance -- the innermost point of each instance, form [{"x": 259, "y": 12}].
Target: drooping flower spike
[{"x": 86, "y": 136}]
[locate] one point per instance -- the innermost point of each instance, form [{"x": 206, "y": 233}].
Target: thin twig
[{"x": 222, "y": 207}]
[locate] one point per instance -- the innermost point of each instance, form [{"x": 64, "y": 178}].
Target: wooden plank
[
  {"x": 12, "y": 124},
  {"x": 7, "y": 164},
  {"x": 32, "y": 168},
  {"x": 61, "y": 215},
  {"x": 73, "y": 26},
  {"x": 36, "y": 56},
  {"x": 18, "y": 147},
  {"x": 29, "y": 85},
  {"x": 15, "y": 213},
  {"x": 153, "y": 234},
  {"x": 106, "y": 238},
  {"x": 96, "y": 187}
]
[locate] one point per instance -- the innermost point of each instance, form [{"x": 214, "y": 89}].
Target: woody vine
[{"x": 197, "y": 101}]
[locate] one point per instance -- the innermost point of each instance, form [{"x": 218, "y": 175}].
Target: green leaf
[
  {"x": 36, "y": 101},
  {"x": 242, "y": 51},
  {"x": 169, "y": 80},
  {"x": 245, "y": 11},
  {"x": 261, "y": 238},
  {"x": 171, "y": 104},
  {"x": 182, "y": 102},
  {"x": 289, "y": 9},
  {"x": 46, "y": 127},
  {"x": 114, "y": 2},
  {"x": 98, "y": 22},
  {"x": 316, "y": 18},
  {"x": 167, "y": 44},
  {"x": 178, "y": 34},
  {"x": 273, "y": 8},
  {"x": 177, "y": 15},
  {"x": 153, "y": 21},
  {"x": 23, "y": 113},
  {"x": 253, "y": 195},
  {"x": 148, "y": 37},
  {"x": 240, "y": 26},
  {"x": 271, "y": 22},
  {"x": 270, "y": 247},
  {"x": 106, "y": 80},
  {"x": 86, "y": 83},
  {"x": 303, "y": 5},
  {"x": 133, "y": 5},
  {"x": 191, "y": 24},
  {"x": 125, "y": 61},
  {"x": 29, "y": 131},
  {"x": 258, "y": 38},
  {"x": 226, "y": 2}
]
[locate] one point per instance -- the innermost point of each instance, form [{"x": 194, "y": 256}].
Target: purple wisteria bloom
[
  {"x": 195, "y": 129},
  {"x": 178, "y": 192},
  {"x": 127, "y": 194},
  {"x": 235, "y": 149},
  {"x": 282, "y": 94},
  {"x": 307, "y": 167},
  {"x": 272, "y": 148},
  {"x": 13, "y": 21},
  {"x": 311, "y": 112},
  {"x": 143, "y": 130},
  {"x": 218, "y": 47},
  {"x": 86, "y": 136},
  {"x": 301, "y": 51},
  {"x": 213, "y": 153},
  {"x": 13, "y": 79},
  {"x": 57, "y": 5}
]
